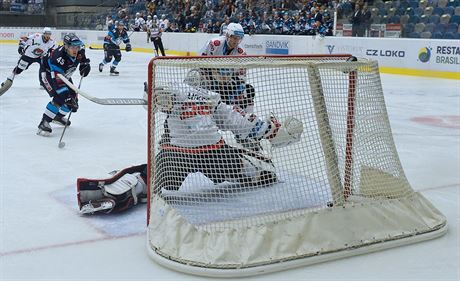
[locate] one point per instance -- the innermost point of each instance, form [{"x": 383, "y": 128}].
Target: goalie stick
[{"x": 103, "y": 101}]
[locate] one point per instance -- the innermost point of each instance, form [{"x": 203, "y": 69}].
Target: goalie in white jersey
[
  {"x": 32, "y": 49},
  {"x": 193, "y": 142}
]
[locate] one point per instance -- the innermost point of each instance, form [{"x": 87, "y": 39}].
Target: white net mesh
[
  {"x": 209, "y": 184},
  {"x": 227, "y": 152}
]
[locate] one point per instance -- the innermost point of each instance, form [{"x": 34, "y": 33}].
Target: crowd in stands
[
  {"x": 23, "y": 6},
  {"x": 256, "y": 16}
]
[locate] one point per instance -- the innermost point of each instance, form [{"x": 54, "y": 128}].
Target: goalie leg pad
[{"x": 126, "y": 188}]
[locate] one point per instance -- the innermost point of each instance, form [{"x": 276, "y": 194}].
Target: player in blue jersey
[
  {"x": 112, "y": 42},
  {"x": 63, "y": 60}
]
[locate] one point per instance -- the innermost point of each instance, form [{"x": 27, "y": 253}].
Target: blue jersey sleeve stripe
[
  {"x": 62, "y": 90},
  {"x": 54, "y": 67}
]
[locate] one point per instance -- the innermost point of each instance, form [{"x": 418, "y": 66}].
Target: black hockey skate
[
  {"x": 61, "y": 120},
  {"x": 101, "y": 67},
  {"x": 113, "y": 71},
  {"x": 44, "y": 128}
]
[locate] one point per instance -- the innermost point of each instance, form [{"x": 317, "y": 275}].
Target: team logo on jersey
[
  {"x": 216, "y": 43},
  {"x": 240, "y": 51},
  {"x": 38, "y": 52}
]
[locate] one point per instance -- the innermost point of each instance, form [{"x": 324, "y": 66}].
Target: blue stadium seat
[
  {"x": 409, "y": 28},
  {"x": 399, "y": 11},
  {"x": 440, "y": 28},
  {"x": 394, "y": 19},
  {"x": 437, "y": 35},
  {"x": 413, "y": 4},
  {"x": 430, "y": 27},
  {"x": 452, "y": 27},
  {"x": 424, "y": 18},
  {"x": 409, "y": 11},
  {"x": 414, "y": 19},
  {"x": 403, "y": 5},
  {"x": 457, "y": 35},
  {"x": 455, "y": 19},
  {"x": 449, "y": 10},
  {"x": 448, "y": 35},
  {"x": 434, "y": 19},
  {"x": 438, "y": 11},
  {"x": 418, "y": 11},
  {"x": 414, "y": 35},
  {"x": 453, "y": 3}
]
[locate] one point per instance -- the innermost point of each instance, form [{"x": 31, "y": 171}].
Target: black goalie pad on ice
[{"x": 91, "y": 191}]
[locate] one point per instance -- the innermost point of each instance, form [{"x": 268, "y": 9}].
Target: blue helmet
[{"x": 72, "y": 40}]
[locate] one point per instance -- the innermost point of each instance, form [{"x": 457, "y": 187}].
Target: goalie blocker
[{"x": 120, "y": 192}]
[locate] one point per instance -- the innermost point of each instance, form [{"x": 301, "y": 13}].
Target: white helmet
[
  {"x": 47, "y": 30},
  {"x": 138, "y": 14},
  {"x": 235, "y": 29}
]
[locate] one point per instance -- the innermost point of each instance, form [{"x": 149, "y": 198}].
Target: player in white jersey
[
  {"x": 148, "y": 26},
  {"x": 139, "y": 23},
  {"x": 192, "y": 142},
  {"x": 163, "y": 23},
  {"x": 229, "y": 83},
  {"x": 32, "y": 49}
]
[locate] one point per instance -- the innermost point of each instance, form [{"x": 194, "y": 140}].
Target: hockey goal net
[{"x": 336, "y": 191}]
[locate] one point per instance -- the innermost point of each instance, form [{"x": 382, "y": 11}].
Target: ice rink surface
[{"x": 43, "y": 237}]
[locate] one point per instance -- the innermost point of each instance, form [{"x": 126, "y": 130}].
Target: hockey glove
[
  {"x": 128, "y": 47},
  {"x": 72, "y": 103},
  {"x": 285, "y": 133},
  {"x": 21, "y": 50},
  {"x": 85, "y": 67}
]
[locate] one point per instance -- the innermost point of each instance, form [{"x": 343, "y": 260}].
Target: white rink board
[{"x": 444, "y": 55}]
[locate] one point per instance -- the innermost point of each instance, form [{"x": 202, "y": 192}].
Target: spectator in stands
[
  {"x": 358, "y": 21},
  {"x": 223, "y": 26},
  {"x": 151, "y": 7},
  {"x": 367, "y": 20}
]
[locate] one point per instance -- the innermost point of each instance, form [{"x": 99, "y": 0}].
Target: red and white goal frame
[{"x": 341, "y": 189}]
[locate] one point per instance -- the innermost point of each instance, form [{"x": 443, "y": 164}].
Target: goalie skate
[
  {"x": 5, "y": 86},
  {"x": 101, "y": 205}
]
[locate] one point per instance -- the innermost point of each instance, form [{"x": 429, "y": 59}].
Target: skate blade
[
  {"x": 114, "y": 74},
  {"x": 43, "y": 133}
]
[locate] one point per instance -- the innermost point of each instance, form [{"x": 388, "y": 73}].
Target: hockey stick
[
  {"x": 61, "y": 143},
  {"x": 103, "y": 101},
  {"x": 97, "y": 48}
]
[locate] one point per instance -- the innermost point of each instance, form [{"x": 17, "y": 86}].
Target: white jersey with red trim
[
  {"x": 35, "y": 47},
  {"x": 219, "y": 47},
  {"x": 197, "y": 115}
]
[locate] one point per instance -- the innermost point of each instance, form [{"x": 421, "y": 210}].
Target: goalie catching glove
[{"x": 285, "y": 133}]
